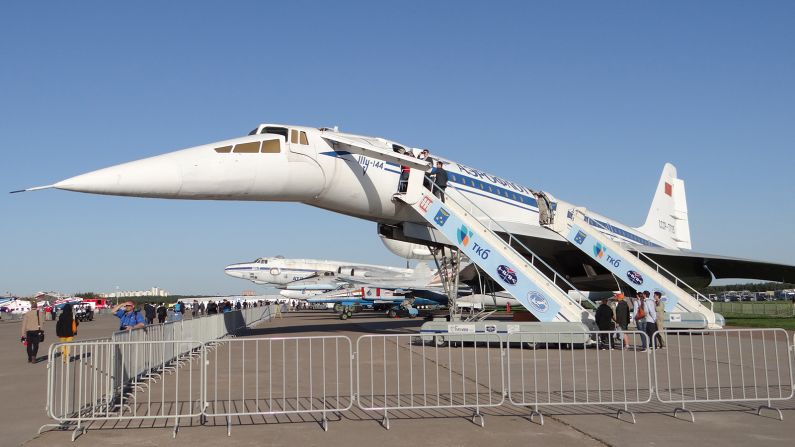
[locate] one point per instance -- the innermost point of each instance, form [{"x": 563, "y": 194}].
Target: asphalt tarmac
[{"x": 23, "y": 388}]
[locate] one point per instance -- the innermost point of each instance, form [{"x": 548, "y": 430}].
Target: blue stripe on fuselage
[{"x": 507, "y": 197}]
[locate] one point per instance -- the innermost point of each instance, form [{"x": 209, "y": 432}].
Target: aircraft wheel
[{"x": 531, "y": 345}]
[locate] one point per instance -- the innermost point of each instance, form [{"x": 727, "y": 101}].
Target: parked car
[{"x": 83, "y": 312}]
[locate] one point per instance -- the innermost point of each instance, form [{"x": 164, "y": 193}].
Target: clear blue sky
[{"x": 585, "y": 99}]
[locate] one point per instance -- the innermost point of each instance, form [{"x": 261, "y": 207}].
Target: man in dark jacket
[
  {"x": 162, "y": 313},
  {"x": 149, "y": 313},
  {"x": 622, "y": 318},
  {"x": 604, "y": 321},
  {"x": 440, "y": 180}
]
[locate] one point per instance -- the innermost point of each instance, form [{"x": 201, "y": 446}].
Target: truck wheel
[
  {"x": 439, "y": 341},
  {"x": 392, "y": 313},
  {"x": 344, "y": 316}
]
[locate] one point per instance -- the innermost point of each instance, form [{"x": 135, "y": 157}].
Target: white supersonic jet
[{"x": 493, "y": 221}]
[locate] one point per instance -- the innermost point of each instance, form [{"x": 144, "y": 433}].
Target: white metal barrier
[
  {"x": 272, "y": 376},
  {"x": 105, "y": 380},
  {"x": 84, "y": 382},
  {"x": 727, "y": 365},
  {"x": 402, "y": 372},
  {"x": 567, "y": 372}
]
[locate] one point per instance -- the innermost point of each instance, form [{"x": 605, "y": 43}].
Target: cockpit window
[
  {"x": 224, "y": 150},
  {"x": 254, "y": 132},
  {"x": 271, "y": 147},
  {"x": 294, "y": 136},
  {"x": 247, "y": 148},
  {"x": 304, "y": 139},
  {"x": 276, "y": 131},
  {"x": 261, "y": 261}
]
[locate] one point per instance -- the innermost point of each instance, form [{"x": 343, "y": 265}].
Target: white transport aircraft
[
  {"x": 358, "y": 176},
  {"x": 305, "y": 278},
  {"x": 309, "y": 273}
]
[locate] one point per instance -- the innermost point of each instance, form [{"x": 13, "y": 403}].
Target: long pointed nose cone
[{"x": 151, "y": 177}]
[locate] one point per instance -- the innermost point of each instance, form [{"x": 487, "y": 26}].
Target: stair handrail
[
  {"x": 533, "y": 256},
  {"x": 648, "y": 260}
]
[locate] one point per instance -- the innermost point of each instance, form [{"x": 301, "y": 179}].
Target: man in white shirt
[{"x": 650, "y": 328}]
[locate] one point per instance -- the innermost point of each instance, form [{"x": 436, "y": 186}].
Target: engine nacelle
[
  {"x": 407, "y": 250},
  {"x": 353, "y": 271}
]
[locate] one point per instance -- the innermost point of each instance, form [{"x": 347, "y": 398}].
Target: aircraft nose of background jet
[
  {"x": 234, "y": 271},
  {"x": 150, "y": 177}
]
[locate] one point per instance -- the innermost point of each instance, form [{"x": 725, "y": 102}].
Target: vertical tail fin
[{"x": 667, "y": 219}]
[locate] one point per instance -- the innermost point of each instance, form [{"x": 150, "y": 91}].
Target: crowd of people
[
  {"x": 645, "y": 309},
  {"x": 435, "y": 180},
  {"x": 130, "y": 317}
]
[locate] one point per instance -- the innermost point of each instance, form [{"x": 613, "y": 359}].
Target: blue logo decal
[
  {"x": 507, "y": 274},
  {"x": 580, "y": 237},
  {"x": 599, "y": 250},
  {"x": 537, "y": 301},
  {"x": 441, "y": 217},
  {"x": 635, "y": 277},
  {"x": 464, "y": 235}
]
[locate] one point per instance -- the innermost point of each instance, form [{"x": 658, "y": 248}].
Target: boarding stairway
[
  {"x": 531, "y": 281},
  {"x": 685, "y": 307}
]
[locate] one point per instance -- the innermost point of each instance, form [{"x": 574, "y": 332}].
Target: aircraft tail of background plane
[
  {"x": 422, "y": 271},
  {"x": 667, "y": 220}
]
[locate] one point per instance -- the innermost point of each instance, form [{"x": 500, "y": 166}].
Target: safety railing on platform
[
  {"x": 273, "y": 376},
  {"x": 567, "y": 373},
  {"x": 729, "y": 365},
  {"x": 409, "y": 372}
]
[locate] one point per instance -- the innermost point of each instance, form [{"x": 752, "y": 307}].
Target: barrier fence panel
[
  {"x": 145, "y": 373},
  {"x": 404, "y": 372},
  {"x": 273, "y": 376},
  {"x": 122, "y": 380},
  {"x": 726, "y": 365},
  {"x": 596, "y": 368}
]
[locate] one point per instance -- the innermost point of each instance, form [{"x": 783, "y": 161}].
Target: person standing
[
  {"x": 622, "y": 318},
  {"x": 604, "y": 321},
  {"x": 149, "y": 313},
  {"x": 661, "y": 340},
  {"x": 31, "y": 328},
  {"x": 179, "y": 309},
  {"x": 439, "y": 180},
  {"x": 53, "y": 311},
  {"x": 162, "y": 313},
  {"x": 651, "y": 318},
  {"x": 194, "y": 308},
  {"x": 403, "y": 183},
  {"x": 201, "y": 308},
  {"x": 544, "y": 208},
  {"x": 129, "y": 318},
  {"x": 639, "y": 315},
  {"x": 66, "y": 329}
]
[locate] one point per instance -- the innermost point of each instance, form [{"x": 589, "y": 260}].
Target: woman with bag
[
  {"x": 32, "y": 334},
  {"x": 66, "y": 329}
]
